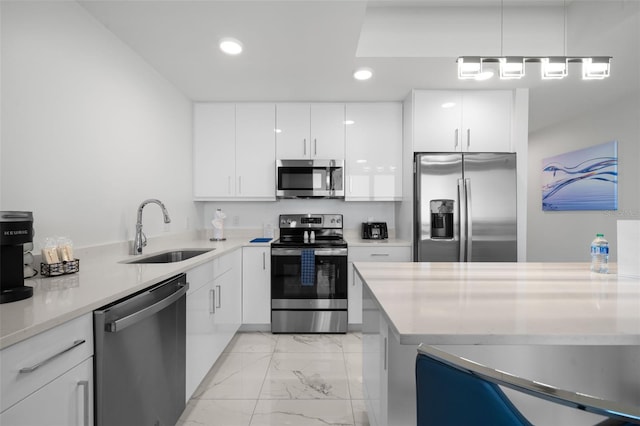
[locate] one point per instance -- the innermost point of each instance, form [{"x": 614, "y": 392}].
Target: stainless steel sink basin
[{"x": 170, "y": 256}]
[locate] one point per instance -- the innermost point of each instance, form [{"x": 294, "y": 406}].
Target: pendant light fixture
[{"x": 552, "y": 67}]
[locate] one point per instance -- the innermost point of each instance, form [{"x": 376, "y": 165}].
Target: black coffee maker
[{"x": 16, "y": 229}]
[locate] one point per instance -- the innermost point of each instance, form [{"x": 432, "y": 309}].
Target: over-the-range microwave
[{"x": 310, "y": 179}]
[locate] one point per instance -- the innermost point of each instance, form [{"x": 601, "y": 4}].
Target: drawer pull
[
  {"x": 380, "y": 254},
  {"x": 85, "y": 401},
  {"x": 51, "y": 358}
]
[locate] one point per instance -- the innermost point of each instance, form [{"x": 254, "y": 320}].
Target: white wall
[
  {"x": 89, "y": 130},
  {"x": 566, "y": 236},
  {"x": 254, "y": 214}
]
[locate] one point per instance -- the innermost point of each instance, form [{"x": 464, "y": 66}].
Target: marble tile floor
[{"x": 282, "y": 379}]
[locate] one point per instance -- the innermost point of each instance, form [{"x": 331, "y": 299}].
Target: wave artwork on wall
[{"x": 586, "y": 179}]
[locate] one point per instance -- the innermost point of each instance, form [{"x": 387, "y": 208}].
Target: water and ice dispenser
[{"x": 441, "y": 219}]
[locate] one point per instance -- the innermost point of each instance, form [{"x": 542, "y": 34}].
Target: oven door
[{"x": 318, "y": 273}]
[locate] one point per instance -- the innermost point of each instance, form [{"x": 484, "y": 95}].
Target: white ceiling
[{"x": 307, "y": 50}]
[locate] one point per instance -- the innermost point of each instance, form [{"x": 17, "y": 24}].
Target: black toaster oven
[{"x": 374, "y": 231}]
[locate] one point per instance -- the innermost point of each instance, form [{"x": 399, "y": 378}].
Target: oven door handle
[{"x": 318, "y": 251}]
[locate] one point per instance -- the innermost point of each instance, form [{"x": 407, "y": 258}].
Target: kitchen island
[{"x": 553, "y": 322}]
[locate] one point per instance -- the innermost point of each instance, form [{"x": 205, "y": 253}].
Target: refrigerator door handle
[
  {"x": 467, "y": 191},
  {"x": 462, "y": 208}
]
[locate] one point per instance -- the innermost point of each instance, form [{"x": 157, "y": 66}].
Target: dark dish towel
[
  {"x": 307, "y": 267},
  {"x": 260, "y": 240}
]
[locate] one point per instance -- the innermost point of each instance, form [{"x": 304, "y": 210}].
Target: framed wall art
[{"x": 586, "y": 179}]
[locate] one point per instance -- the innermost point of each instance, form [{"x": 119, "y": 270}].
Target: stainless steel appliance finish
[
  {"x": 140, "y": 357},
  {"x": 309, "y": 297},
  {"x": 310, "y": 179},
  {"x": 465, "y": 207}
]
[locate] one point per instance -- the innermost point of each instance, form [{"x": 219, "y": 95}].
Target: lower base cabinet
[
  {"x": 256, "y": 285},
  {"x": 214, "y": 314},
  {"x": 376, "y": 253},
  {"x": 47, "y": 379},
  {"x": 66, "y": 401}
]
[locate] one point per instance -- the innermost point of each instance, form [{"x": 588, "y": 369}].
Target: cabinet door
[
  {"x": 437, "y": 116},
  {"x": 200, "y": 341},
  {"x": 228, "y": 302},
  {"x": 292, "y": 131},
  {"x": 327, "y": 131},
  {"x": 256, "y": 285},
  {"x": 214, "y": 151},
  {"x": 255, "y": 152},
  {"x": 66, "y": 401},
  {"x": 486, "y": 121},
  {"x": 368, "y": 254},
  {"x": 373, "y": 152}
]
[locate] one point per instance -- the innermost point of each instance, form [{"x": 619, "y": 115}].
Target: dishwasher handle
[{"x": 122, "y": 323}]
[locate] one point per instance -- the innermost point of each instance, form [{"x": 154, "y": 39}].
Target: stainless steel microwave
[{"x": 310, "y": 179}]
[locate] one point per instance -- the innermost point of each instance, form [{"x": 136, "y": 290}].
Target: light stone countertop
[
  {"x": 504, "y": 303},
  {"x": 102, "y": 279}
]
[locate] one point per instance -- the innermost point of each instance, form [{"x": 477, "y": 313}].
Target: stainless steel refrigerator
[{"x": 465, "y": 207}]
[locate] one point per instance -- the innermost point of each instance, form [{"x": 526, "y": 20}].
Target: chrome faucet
[{"x": 141, "y": 239}]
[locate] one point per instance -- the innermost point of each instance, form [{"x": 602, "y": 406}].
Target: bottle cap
[{"x": 599, "y": 235}]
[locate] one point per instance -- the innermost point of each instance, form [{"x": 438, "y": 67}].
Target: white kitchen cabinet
[
  {"x": 234, "y": 152},
  {"x": 200, "y": 328},
  {"x": 66, "y": 401},
  {"x": 256, "y": 285},
  {"x": 310, "y": 131},
  {"x": 377, "y": 252},
  {"x": 214, "y": 314},
  {"x": 48, "y": 378},
  {"x": 227, "y": 298},
  {"x": 373, "y": 148},
  {"x": 462, "y": 121}
]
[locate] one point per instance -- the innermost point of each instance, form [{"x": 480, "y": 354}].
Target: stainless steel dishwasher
[{"x": 140, "y": 357}]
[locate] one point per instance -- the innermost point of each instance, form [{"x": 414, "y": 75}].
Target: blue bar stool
[{"x": 451, "y": 390}]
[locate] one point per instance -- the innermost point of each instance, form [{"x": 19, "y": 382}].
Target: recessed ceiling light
[
  {"x": 230, "y": 46},
  {"x": 448, "y": 105},
  {"x": 349, "y": 122},
  {"x": 363, "y": 74}
]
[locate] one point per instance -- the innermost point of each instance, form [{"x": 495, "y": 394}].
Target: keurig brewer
[{"x": 16, "y": 229}]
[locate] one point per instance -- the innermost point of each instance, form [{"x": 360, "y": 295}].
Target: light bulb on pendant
[{"x": 554, "y": 68}]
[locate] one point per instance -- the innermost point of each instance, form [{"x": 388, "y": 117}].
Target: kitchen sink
[{"x": 170, "y": 256}]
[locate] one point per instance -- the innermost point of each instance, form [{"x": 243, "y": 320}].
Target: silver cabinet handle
[
  {"x": 315, "y": 147},
  {"x": 455, "y": 139},
  {"x": 385, "y": 353},
  {"x": 219, "y": 297},
  {"x": 264, "y": 261},
  {"x": 85, "y": 401},
  {"x": 468, "y": 138},
  {"x": 212, "y": 304},
  {"x": 304, "y": 145},
  {"x": 380, "y": 254},
  {"x": 239, "y": 185},
  {"x": 52, "y": 357}
]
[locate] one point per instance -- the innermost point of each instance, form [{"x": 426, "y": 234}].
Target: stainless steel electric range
[{"x": 309, "y": 275}]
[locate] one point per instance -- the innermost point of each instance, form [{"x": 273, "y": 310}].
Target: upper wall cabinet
[
  {"x": 234, "y": 152},
  {"x": 373, "y": 151},
  {"x": 310, "y": 131},
  {"x": 463, "y": 121}
]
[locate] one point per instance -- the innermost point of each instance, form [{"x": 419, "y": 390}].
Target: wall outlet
[{"x": 236, "y": 220}]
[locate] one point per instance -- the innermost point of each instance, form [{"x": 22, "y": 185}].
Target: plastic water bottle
[{"x": 600, "y": 254}]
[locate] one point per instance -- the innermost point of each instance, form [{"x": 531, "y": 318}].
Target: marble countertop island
[{"x": 504, "y": 303}]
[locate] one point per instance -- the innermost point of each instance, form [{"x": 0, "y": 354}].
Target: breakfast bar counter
[{"x": 558, "y": 323}]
